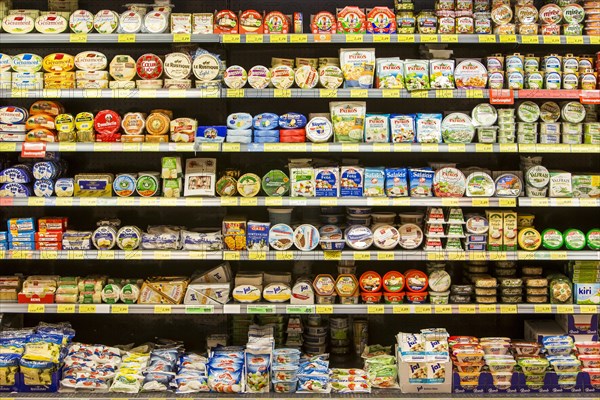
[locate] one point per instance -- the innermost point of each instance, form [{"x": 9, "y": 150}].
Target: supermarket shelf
[
  {"x": 34, "y": 38},
  {"x": 314, "y": 147},
  {"x": 415, "y": 255},
  {"x": 269, "y": 308},
  {"x": 291, "y": 93},
  {"x": 294, "y": 201}
]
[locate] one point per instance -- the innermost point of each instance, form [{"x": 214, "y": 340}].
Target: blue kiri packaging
[{"x": 215, "y": 133}]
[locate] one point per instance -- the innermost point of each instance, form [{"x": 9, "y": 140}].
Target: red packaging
[
  {"x": 251, "y": 21},
  {"x": 298, "y": 22},
  {"x": 275, "y": 23},
  {"x": 48, "y": 237},
  {"x": 48, "y": 298},
  {"x": 550, "y": 30},
  {"x": 109, "y": 137},
  {"x": 52, "y": 224},
  {"x": 106, "y": 122},
  {"x": 225, "y": 22},
  {"x": 149, "y": 66},
  {"x": 323, "y": 23},
  {"x": 351, "y": 20},
  {"x": 48, "y": 245},
  {"x": 416, "y": 281},
  {"x": 381, "y": 20}
]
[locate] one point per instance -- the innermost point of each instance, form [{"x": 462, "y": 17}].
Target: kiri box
[{"x": 587, "y": 293}]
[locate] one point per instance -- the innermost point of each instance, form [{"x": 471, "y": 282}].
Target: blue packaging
[
  {"x": 292, "y": 120},
  {"x": 266, "y": 139},
  {"x": 327, "y": 182},
  {"x": 239, "y": 121},
  {"x": 396, "y": 183},
  {"x": 21, "y": 245},
  {"x": 21, "y": 225},
  {"x": 421, "y": 182},
  {"x": 3, "y": 236},
  {"x": 261, "y": 133},
  {"x": 215, "y": 133},
  {"x": 3, "y": 246},
  {"x": 14, "y": 236},
  {"x": 374, "y": 185},
  {"x": 15, "y": 190},
  {"x": 16, "y": 174},
  {"x": 351, "y": 181},
  {"x": 265, "y": 121},
  {"x": 43, "y": 188},
  {"x": 45, "y": 170},
  {"x": 257, "y": 236},
  {"x": 239, "y": 132}
]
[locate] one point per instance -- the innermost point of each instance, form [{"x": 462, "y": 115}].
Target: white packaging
[{"x": 200, "y": 176}]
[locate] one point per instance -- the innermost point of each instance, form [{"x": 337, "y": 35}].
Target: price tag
[
  {"x": 235, "y": 93},
  {"x": 403, "y": 309},
  {"x": 507, "y": 202},
  {"x": 76, "y": 255},
  {"x": 168, "y": 202},
  {"x": 354, "y": 38},
  {"x": 88, "y": 201},
  {"x": 474, "y": 94},
  {"x": 430, "y": 147},
  {"x": 419, "y": 94},
  {"x": 254, "y": 39},
  {"x": 502, "y": 96},
  {"x": 131, "y": 147},
  {"x": 36, "y": 201},
  {"x": 428, "y": 38},
  {"x": 551, "y": 39},
  {"x": 390, "y": 93},
  {"x": 527, "y": 148},
  {"x": 197, "y": 255},
  {"x": 324, "y": 309},
  {"x": 64, "y": 201},
  {"x": 36, "y": 308},
  {"x": 323, "y": 38},
  {"x": 446, "y": 202},
  {"x": 448, "y": 38},
  {"x": 508, "y": 309},
  {"x": 298, "y": 201},
  {"x": 542, "y": 309},
  {"x": 558, "y": 255},
  {"x": 587, "y": 309},
  {"x": 508, "y": 147},
  {"x": 151, "y": 147},
  {"x": 594, "y": 39},
  {"x": 574, "y": 39},
  {"x": 457, "y": 256},
  {"x": 106, "y": 255},
  {"x": 487, "y": 308},
  {"x": 65, "y": 308},
  {"x": 48, "y": 255},
  {"x": 299, "y": 309},
  {"x": 193, "y": 202},
  {"x": 200, "y": 309},
  {"x": 162, "y": 255},
  {"x": 443, "y": 309},
  {"x": 119, "y": 309},
  {"x": 87, "y": 309},
  {"x": 328, "y": 93},
  {"x": 435, "y": 256},
  {"x": 8, "y": 147},
  {"x": 484, "y": 148},
  {"x": 229, "y": 201},
  {"x": 381, "y": 38},
  {"x": 526, "y": 255},
  {"x": 498, "y": 256},
  {"x": 487, "y": 38},
  {"x": 530, "y": 39},
  {"x": 422, "y": 309},
  {"x": 284, "y": 255},
  {"x": 406, "y": 38},
  {"x": 444, "y": 94},
  {"x": 361, "y": 256},
  {"x": 126, "y": 38},
  {"x": 375, "y": 309},
  {"x": 320, "y": 147},
  {"x": 133, "y": 255},
  {"x": 480, "y": 202},
  {"x": 182, "y": 38},
  {"x": 385, "y": 256},
  {"x": 162, "y": 309},
  {"x": 257, "y": 255},
  {"x": 589, "y": 202},
  {"x": 565, "y": 202},
  {"x": 329, "y": 255},
  {"x": 248, "y": 201},
  {"x": 278, "y": 38},
  {"x": 584, "y": 148},
  {"x": 278, "y": 93},
  {"x": 457, "y": 148},
  {"x": 359, "y": 93},
  {"x": 296, "y": 38},
  {"x": 260, "y": 309},
  {"x": 508, "y": 38},
  {"x": 378, "y": 201},
  {"x": 401, "y": 201},
  {"x": 565, "y": 309},
  {"x": 402, "y": 147},
  {"x": 231, "y": 255},
  {"x": 273, "y": 201},
  {"x": 230, "y": 38},
  {"x": 78, "y": 38},
  {"x": 328, "y": 202},
  {"x": 466, "y": 309}
]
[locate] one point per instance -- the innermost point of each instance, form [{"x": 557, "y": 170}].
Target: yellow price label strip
[
  {"x": 530, "y": 39},
  {"x": 480, "y": 202},
  {"x": 133, "y": 255},
  {"x": 448, "y": 38},
  {"x": 589, "y": 202},
  {"x": 507, "y": 202},
  {"x": 450, "y": 202},
  {"x": 574, "y": 39},
  {"x": 435, "y": 256},
  {"x": 430, "y": 148},
  {"x": 508, "y": 38},
  {"x": 444, "y": 94},
  {"x": 328, "y": 93},
  {"x": 428, "y": 39},
  {"x": 320, "y": 147},
  {"x": 168, "y": 202},
  {"x": 403, "y": 309},
  {"x": 487, "y": 308},
  {"x": 36, "y": 308},
  {"x": 385, "y": 256},
  {"x": 254, "y": 39},
  {"x": 508, "y": 147},
  {"x": 406, "y": 38},
  {"x": 78, "y": 38},
  {"x": 235, "y": 93},
  {"x": 484, "y": 148},
  {"x": 466, "y": 309},
  {"x": 48, "y": 255},
  {"x": 231, "y": 38},
  {"x": 487, "y": 38},
  {"x": 257, "y": 255},
  {"x": 551, "y": 39},
  {"x": 64, "y": 201},
  {"x": 281, "y": 93},
  {"x": 329, "y": 255},
  {"x": 163, "y": 309},
  {"x": 565, "y": 309},
  {"x": 65, "y": 308},
  {"x": 193, "y": 202},
  {"x": 298, "y": 38},
  {"x": 162, "y": 255},
  {"x": 350, "y": 148},
  {"x": 378, "y": 201},
  {"x": 526, "y": 255},
  {"x": 422, "y": 309},
  {"x": 565, "y": 202},
  {"x": 119, "y": 309},
  {"x": 284, "y": 255},
  {"x": 375, "y": 309},
  {"x": 474, "y": 94},
  {"x": 457, "y": 256},
  {"x": 324, "y": 309},
  {"x": 354, "y": 38},
  {"x": 106, "y": 255},
  {"x": 390, "y": 93},
  {"x": 87, "y": 309},
  {"x": 88, "y": 202},
  {"x": 508, "y": 309},
  {"x": 381, "y": 38},
  {"x": 359, "y": 93},
  {"x": 419, "y": 94},
  {"x": 381, "y": 147},
  {"x": 126, "y": 38},
  {"x": 229, "y": 201},
  {"x": 442, "y": 309},
  {"x": 587, "y": 309},
  {"x": 273, "y": 201},
  {"x": 401, "y": 202},
  {"x": 182, "y": 38},
  {"x": 361, "y": 256},
  {"x": 8, "y": 147},
  {"x": 328, "y": 202},
  {"x": 231, "y": 255},
  {"x": 558, "y": 255},
  {"x": 278, "y": 38},
  {"x": 542, "y": 309},
  {"x": 249, "y": 202},
  {"x": 76, "y": 255},
  {"x": 457, "y": 148},
  {"x": 36, "y": 201}
]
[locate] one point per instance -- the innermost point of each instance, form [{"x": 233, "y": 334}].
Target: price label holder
[
  {"x": 78, "y": 38},
  {"x": 508, "y": 309},
  {"x": 502, "y": 96},
  {"x": 324, "y": 309},
  {"x": 430, "y": 148},
  {"x": 422, "y": 309},
  {"x": 33, "y": 150},
  {"x": 565, "y": 309},
  {"x": 257, "y": 255},
  {"x": 235, "y": 93},
  {"x": 402, "y": 309},
  {"x": 273, "y": 201},
  {"x": 328, "y": 202},
  {"x": 448, "y": 38},
  {"x": 87, "y": 309},
  {"x": 376, "y": 309},
  {"x": 229, "y": 201},
  {"x": 435, "y": 256},
  {"x": 481, "y": 202},
  {"x": 231, "y": 255},
  {"x": 65, "y": 308},
  {"x": 484, "y": 148},
  {"x": 486, "y": 38},
  {"x": 385, "y": 256},
  {"x": 76, "y": 255},
  {"x": 574, "y": 39},
  {"x": 260, "y": 309},
  {"x": 254, "y": 38},
  {"x": 119, "y": 309},
  {"x": 361, "y": 256},
  {"x": 530, "y": 39},
  {"x": 587, "y": 309},
  {"x": 36, "y": 308},
  {"x": 328, "y": 93},
  {"x": 232, "y": 147},
  {"x": 298, "y": 38},
  {"x": 507, "y": 202},
  {"x": 381, "y": 38},
  {"x": 542, "y": 309},
  {"x": 284, "y": 255},
  {"x": 163, "y": 309},
  {"x": 457, "y": 148},
  {"x": 428, "y": 39},
  {"x": 126, "y": 38},
  {"x": 200, "y": 309},
  {"x": 487, "y": 308},
  {"x": 354, "y": 38},
  {"x": 182, "y": 38},
  {"x": 406, "y": 38},
  {"x": 330, "y": 255},
  {"x": 106, "y": 255},
  {"x": 279, "y": 38},
  {"x": 558, "y": 255},
  {"x": 231, "y": 38},
  {"x": 299, "y": 309},
  {"x": 466, "y": 309},
  {"x": 282, "y": 93},
  {"x": 248, "y": 202},
  {"x": 508, "y": 38},
  {"x": 359, "y": 93},
  {"x": 442, "y": 309},
  {"x": 444, "y": 94},
  {"x": 450, "y": 202},
  {"x": 162, "y": 255}
]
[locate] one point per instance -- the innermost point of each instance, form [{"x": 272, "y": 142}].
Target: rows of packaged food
[
  {"x": 46, "y": 359},
  {"x": 449, "y": 17},
  {"x": 347, "y": 122},
  {"x": 352, "y": 68}
]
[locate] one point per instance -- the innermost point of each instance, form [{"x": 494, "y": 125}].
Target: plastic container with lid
[
  {"x": 324, "y": 285},
  {"x": 370, "y": 281},
  {"x": 359, "y": 237},
  {"x": 346, "y": 285},
  {"x": 439, "y": 281},
  {"x": 306, "y": 237},
  {"x": 385, "y": 237},
  {"x": 416, "y": 297},
  {"x": 574, "y": 239},
  {"x": 393, "y": 282},
  {"x": 439, "y": 297},
  {"x": 416, "y": 281},
  {"x": 281, "y": 237},
  {"x": 593, "y": 239}
]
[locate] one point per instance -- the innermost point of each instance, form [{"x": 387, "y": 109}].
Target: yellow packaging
[
  {"x": 510, "y": 230},
  {"x": 58, "y": 62},
  {"x": 496, "y": 223},
  {"x": 57, "y": 77},
  {"x": 84, "y": 121},
  {"x": 64, "y": 123}
]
